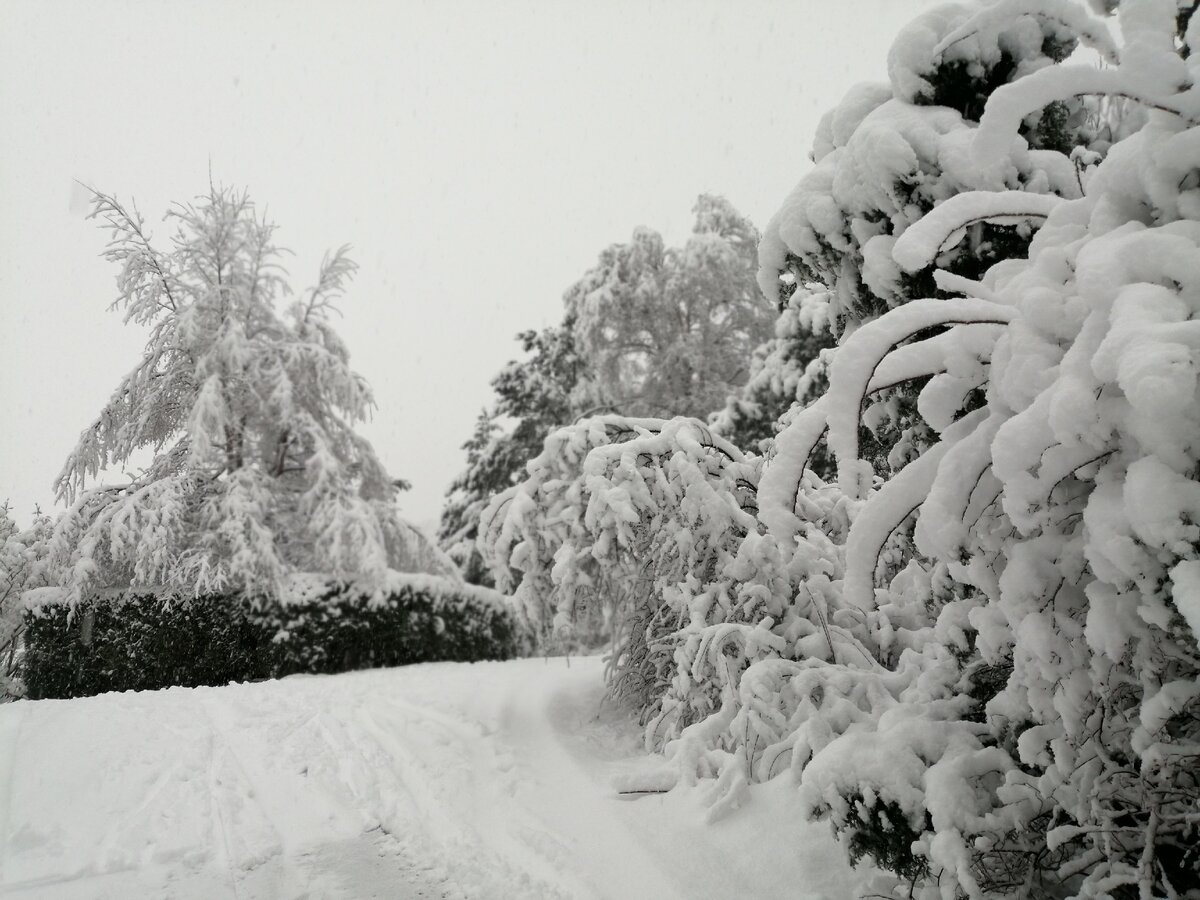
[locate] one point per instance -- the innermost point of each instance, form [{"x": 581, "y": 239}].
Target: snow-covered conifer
[
  {"x": 533, "y": 397},
  {"x": 785, "y": 371},
  {"x": 891, "y": 153}
]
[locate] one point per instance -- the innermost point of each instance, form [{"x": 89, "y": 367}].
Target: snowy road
[{"x": 490, "y": 780}]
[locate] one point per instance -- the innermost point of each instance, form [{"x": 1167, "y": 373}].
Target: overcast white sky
[{"x": 477, "y": 155}]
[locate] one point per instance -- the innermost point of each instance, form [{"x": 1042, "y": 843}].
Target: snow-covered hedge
[{"x": 146, "y": 640}]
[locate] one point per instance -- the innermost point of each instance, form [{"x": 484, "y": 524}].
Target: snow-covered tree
[
  {"x": 22, "y": 559},
  {"x": 533, "y": 397},
  {"x": 650, "y": 331},
  {"x": 786, "y": 371},
  {"x": 1005, "y": 700},
  {"x": 669, "y": 331},
  {"x": 249, "y": 410},
  {"x": 890, "y": 153},
  {"x": 1021, "y": 712}
]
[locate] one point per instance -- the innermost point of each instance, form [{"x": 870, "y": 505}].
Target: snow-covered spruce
[
  {"x": 785, "y": 371},
  {"x": 250, "y": 412}
]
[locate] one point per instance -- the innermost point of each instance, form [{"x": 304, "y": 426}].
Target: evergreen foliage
[
  {"x": 535, "y": 395},
  {"x": 147, "y": 641},
  {"x": 787, "y": 371}
]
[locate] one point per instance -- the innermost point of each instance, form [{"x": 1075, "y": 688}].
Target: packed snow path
[{"x": 491, "y": 780}]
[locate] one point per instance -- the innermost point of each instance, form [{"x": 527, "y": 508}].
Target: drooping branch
[
  {"x": 856, "y": 362},
  {"x": 1069, "y": 16},
  {"x": 928, "y": 237},
  {"x": 1008, "y": 105},
  {"x": 887, "y": 509},
  {"x": 921, "y": 359},
  {"x": 779, "y": 487}
]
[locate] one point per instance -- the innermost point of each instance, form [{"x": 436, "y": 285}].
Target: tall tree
[
  {"x": 670, "y": 331},
  {"x": 648, "y": 331},
  {"x": 249, "y": 410}
]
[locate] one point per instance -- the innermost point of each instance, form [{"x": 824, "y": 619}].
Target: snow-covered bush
[
  {"x": 623, "y": 519},
  {"x": 250, "y": 412},
  {"x": 22, "y": 564},
  {"x": 144, "y": 641}
]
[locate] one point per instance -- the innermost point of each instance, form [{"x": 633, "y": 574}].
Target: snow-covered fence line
[{"x": 145, "y": 639}]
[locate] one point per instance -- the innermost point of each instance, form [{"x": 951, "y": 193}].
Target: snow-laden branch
[
  {"x": 945, "y": 225},
  {"x": 888, "y": 508},
  {"x": 855, "y": 364},
  {"x": 780, "y": 485},
  {"x": 929, "y": 357},
  {"x": 943, "y": 528},
  {"x": 872, "y": 363},
  {"x": 957, "y": 284},
  {"x": 1008, "y": 105},
  {"x": 1070, "y": 17}
]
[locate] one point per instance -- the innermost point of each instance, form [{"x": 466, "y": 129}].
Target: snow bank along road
[{"x": 490, "y": 780}]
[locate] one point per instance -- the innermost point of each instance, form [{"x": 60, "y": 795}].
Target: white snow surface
[{"x": 486, "y": 780}]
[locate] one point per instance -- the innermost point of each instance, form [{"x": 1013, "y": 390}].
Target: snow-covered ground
[{"x": 489, "y": 780}]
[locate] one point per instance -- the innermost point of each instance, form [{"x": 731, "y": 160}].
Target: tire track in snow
[
  {"x": 217, "y": 822},
  {"x": 125, "y": 823},
  {"x": 442, "y": 782},
  {"x": 566, "y": 791},
  {"x": 471, "y": 825},
  {"x": 10, "y": 736},
  {"x": 355, "y": 794}
]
